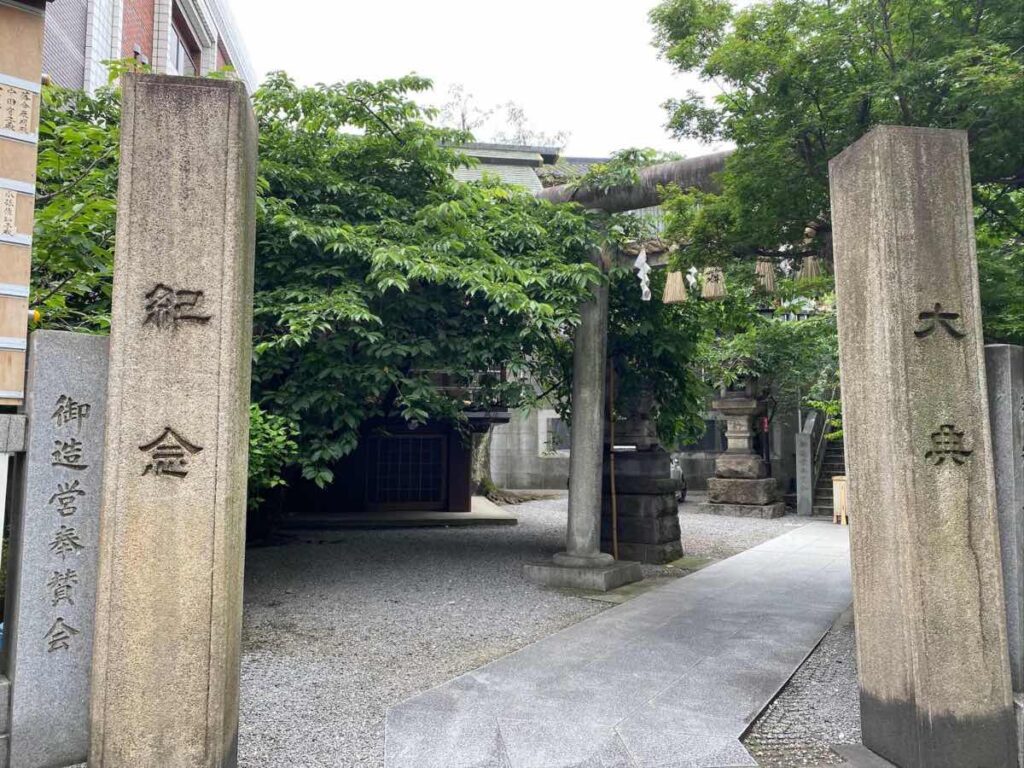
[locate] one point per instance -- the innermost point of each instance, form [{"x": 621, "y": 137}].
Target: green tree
[
  {"x": 379, "y": 276},
  {"x": 799, "y": 80}
]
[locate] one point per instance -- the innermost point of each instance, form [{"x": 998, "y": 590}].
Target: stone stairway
[{"x": 834, "y": 464}]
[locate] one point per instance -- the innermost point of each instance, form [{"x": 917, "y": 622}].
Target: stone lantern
[{"x": 740, "y": 486}]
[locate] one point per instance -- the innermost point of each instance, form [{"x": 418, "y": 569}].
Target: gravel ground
[
  {"x": 341, "y": 625},
  {"x": 819, "y": 707},
  {"x": 717, "y": 537}
]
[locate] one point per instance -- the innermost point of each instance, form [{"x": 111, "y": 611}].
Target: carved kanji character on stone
[
  {"x": 60, "y": 635},
  {"x": 936, "y": 318},
  {"x": 62, "y": 585},
  {"x": 68, "y": 453},
  {"x": 66, "y": 497},
  {"x": 167, "y": 454},
  {"x": 66, "y": 542},
  {"x": 167, "y": 307},
  {"x": 69, "y": 410},
  {"x": 947, "y": 443}
]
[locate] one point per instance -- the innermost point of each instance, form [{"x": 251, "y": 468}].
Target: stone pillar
[
  {"x": 740, "y": 487},
  {"x": 1004, "y": 366},
  {"x": 583, "y": 565},
  {"x": 51, "y": 599},
  {"x": 168, "y": 625},
  {"x": 583, "y": 536},
  {"x": 928, "y": 593}
]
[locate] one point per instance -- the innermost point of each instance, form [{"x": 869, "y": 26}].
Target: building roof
[{"x": 511, "y": 163}]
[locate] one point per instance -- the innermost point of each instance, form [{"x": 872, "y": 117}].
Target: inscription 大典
[
  {"x": 168, "y": 454},
  {"x": 167, "y": 307},
  {"x": 947, "y": 443},
  {"x": 936, "y": 318}
]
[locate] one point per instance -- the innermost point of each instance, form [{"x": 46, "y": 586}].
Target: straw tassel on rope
[
  {"x": 675, "y": 289},
  {"x": 765, "y": 271},
  {"x": 714, "y": 283}
]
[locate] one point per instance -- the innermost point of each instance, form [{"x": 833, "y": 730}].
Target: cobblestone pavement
[{"x": 817, "y": 708}]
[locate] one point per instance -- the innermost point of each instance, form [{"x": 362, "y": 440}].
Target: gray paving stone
[
  {"x": 430, "y": 739},
  {"x": 679, "y": 672},
  {"x": 546, "y": 744}
]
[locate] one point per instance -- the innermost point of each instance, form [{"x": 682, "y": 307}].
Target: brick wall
[
  {"x": 64, "y": 42},
  {"x": 138, "y": 28}
]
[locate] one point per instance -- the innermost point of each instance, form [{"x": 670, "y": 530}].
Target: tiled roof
[{"x": 520, "y": 175}]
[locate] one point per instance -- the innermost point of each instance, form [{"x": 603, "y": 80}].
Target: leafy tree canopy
[
  {"x": 799, "y": 80},
  {"x": 376, "y": 271}
]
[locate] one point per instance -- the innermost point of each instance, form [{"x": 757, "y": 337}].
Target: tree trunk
[
  {"x": 481, "y": 481},
  {"x": 694, "y": 172}
]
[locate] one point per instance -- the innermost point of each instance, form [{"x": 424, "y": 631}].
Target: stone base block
[
  {"x": 595, "y": 579},
  {"x": 652, "y": 463},
  {"x": 654, "y": 554},
  {"x": 648, "y": 486},
  {"x": 639, "y": 530},
  {"x": 739, "y": 465},
  {"x": 859, "y": 756},
  {"x": 641, "y": 505},
  {"x": 732, "y": 491},
  {"x": 778, "y": 509}
]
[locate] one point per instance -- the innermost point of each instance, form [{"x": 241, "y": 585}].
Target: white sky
[{"x": 582, "y": 66}]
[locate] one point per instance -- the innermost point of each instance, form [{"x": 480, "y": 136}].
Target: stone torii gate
[{"x": 582, "y": 564}]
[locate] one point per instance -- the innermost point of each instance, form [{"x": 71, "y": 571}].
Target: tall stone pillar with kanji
[
  {"x": 928, "y": 594},
  {"x": 169, "y": 606}
]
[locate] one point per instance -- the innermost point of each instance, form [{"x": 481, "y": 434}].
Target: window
[{"x": 182, "y": 49}]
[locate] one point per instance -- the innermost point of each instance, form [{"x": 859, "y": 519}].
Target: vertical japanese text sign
[
  {"x": 54, "y": 552},
  {"x": 169, "y": 608},
  {"x": 21, "y": 55},
  {"x": 928, "y": 593}
]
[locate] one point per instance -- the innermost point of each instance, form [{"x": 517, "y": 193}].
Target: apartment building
[{"x": 182, "y": 37}]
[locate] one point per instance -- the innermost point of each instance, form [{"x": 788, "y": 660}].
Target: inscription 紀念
[
  {"x": 66, "y": 541},
  {"x": 8, "y": 212},
  {"x": 66, "y": 498},
  {"x": 69, "y": 410},
  {"x": 62, "y": 585},
  {"x": 167, "y": 307},
  {"x": 15, "y": 109},
  {"x": 68, "y": 453},
  {"x": 59, "y": 636},
  {"x": 168, "y": 454},
  {"x": 938, "y": 317},
  {"x": 947, "y": 443}
]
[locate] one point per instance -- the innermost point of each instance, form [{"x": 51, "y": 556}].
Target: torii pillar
[{"x": 582, "y": 565}]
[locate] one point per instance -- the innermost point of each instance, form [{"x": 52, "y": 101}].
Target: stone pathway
[{"x": 671, "y": 679}]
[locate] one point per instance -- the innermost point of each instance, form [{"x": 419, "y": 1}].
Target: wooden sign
[{"x": 21, "y": 50}]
